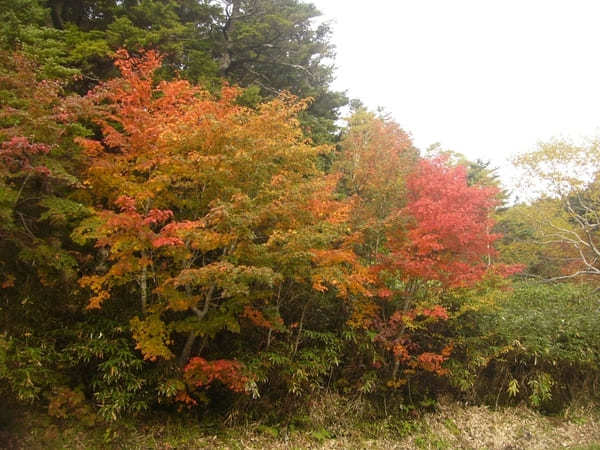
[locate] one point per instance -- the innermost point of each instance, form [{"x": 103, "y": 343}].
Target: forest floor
[{"x": 450, "y": 426}]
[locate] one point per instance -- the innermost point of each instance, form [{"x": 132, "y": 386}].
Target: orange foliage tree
[{"x": 210, "y": 212}]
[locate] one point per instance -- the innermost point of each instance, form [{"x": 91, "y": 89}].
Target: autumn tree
[
  {"x": 39, "y": 208},
  {"x": 38, "y": 175},
  {"x": 269, "y": 46},
  {"x": 423, "y": 227},
  {"x": 212, "y": 213},
  {"x": 376, "y": 157},
  {"x": 449, "y": 231}
]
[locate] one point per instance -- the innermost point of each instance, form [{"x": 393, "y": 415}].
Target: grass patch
[{"x": 330, "y": 422}]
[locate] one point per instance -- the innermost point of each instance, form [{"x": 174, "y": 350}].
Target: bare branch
[{"x": 571, "y": 276}]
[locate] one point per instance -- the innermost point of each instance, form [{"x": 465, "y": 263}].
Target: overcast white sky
[{"x": 487, "y": 78}]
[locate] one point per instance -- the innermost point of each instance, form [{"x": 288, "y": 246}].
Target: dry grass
[
  {"x": 336, "y": 423},
  {"x": 454, "y": 426},
  {"x": 508, "y": 428}
]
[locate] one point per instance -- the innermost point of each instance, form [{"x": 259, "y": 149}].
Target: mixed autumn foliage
[
  {"x": 201, "y": 220},
  {"x": 165, "y": 241}
]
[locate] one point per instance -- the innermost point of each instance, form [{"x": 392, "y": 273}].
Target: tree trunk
[
  {"x": 187, "y": 349},
  {"x": 270, "y": 334},
  {"x": 225, "y": 57},
  {"x": 56, "y": 13},
  {"x": 297, "y": 343},
  {"x": 144, "y": 288}
]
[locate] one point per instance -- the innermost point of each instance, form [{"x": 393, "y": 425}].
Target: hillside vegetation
[{"x": 188, "y": 231}]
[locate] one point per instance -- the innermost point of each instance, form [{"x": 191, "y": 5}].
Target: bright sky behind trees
[{"x": 484, "y": 78}]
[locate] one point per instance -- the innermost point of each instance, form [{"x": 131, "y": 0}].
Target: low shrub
[{"x": 539, "y": 343}]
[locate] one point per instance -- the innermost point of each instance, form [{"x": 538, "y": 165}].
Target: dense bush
[{"x": 539, "y": 342}]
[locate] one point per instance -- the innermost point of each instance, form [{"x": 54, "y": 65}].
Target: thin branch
[
  {"x": 25, "y": 226},
  {"x": 207, "y": 300},
  {"x": 571, "y": 276}
]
